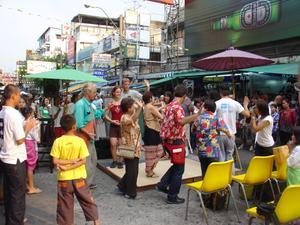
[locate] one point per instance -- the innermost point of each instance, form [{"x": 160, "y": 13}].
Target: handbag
[
  {"x": 126, "y": 151},
  {"x": 268, "y": 211},
  {"x": 177, "y": 152}
]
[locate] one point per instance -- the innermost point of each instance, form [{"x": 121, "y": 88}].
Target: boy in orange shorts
[{"x": 69, "y": 154}]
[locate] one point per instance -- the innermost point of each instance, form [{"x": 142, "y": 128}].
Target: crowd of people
[{"x": 172, "y": 124}]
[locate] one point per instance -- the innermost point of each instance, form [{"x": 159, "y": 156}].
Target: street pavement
[{"x": 149, "y": 209}]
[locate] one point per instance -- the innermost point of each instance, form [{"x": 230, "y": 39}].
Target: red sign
[{"x": 167, "y": 2}]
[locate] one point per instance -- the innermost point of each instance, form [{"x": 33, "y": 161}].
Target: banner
[
  {"x": 144, "y": 52},
  {"x": 39, "y": 66},
  {"x": 131, "y": 17},
  {"x": 71, "y": 51},
  {"x": 145, "y": 36},
  {"x": 145, "y": 20},
  {"x": 132, "y": 35}
]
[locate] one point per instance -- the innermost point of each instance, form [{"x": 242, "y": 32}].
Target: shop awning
[
  {"x": 153, "y": 83},
  {"x": 287, "y": 68},
  {"x": 197, "y": 73}
]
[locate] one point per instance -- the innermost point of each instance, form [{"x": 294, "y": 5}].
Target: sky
[{"x": 22, "y": 22}]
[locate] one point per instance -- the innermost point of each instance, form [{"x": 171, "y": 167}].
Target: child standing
[
  {"x": 31, "y": 141},
  {"x": 69, "y": 154}
]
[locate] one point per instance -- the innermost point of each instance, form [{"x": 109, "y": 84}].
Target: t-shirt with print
[
  {"x": 264, "y": 137},
  {"x": 227, "y": 109},
  {"x": 69, "y": 147}
]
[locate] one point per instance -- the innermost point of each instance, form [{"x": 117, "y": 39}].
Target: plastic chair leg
[
  {"x": 203, "y": 207},
  {"x": 251, "y": 220},
  {"x": 187, "y": 204},
  {"x": 272, "y": 189},
  {"x": 245, "y": 196},
  {"x": 234, "y": 202},
  {"x": 277, "y": 185},
  {"x": 238, "y": 157}
]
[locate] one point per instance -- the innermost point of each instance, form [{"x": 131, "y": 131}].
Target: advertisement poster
[
  {"x": 215, "y": 25},
  {"x": 132, "y": 35},
  {"x": 39, "y": 66},
  {"x": 131, "y": 51}
]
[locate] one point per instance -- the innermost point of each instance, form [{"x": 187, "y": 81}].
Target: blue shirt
[{"x": 83, "y": 114}]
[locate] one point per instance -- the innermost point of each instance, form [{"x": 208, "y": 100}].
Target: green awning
[
  {"x": 287, "y": 68},
  {"x": 193, "y": 74},
  {"x": 161, "y": 81},
  {"x": 153, "y": 83}
]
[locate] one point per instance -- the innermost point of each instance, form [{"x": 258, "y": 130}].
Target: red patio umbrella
[{"x": 231, "y": 59}]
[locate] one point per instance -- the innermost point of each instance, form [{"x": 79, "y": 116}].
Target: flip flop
[
  {"x": 153, "y": 175},
  {"x": 37, "y": 191}
]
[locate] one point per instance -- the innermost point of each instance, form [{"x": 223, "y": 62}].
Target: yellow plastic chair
[
  {"x": 217, "y": 178},
  {"x": 287, "y": 208},
  {"x": 259, "y": 172},
  {"x": 281, "y": 166}
]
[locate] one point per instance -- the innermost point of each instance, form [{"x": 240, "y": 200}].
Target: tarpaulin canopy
[
  {"x": 287, "y": 68},
  {"x": 67, "y": 74}
]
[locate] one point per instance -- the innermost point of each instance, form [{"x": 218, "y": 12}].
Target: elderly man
[{"x": 86, "y": 114}]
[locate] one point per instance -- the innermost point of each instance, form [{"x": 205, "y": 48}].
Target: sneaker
[
  {"x": 93, "y": 186},
  {"x": 177, "y": 200},
  {"x": 113, "y": 164},
  {"x": 163, "y": 190},
  {"x": 120, "y": 165}
]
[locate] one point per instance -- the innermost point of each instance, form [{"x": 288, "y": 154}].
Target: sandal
[
  {"x": 36, "y": 191},
  {"x": 153, "y": 175}
]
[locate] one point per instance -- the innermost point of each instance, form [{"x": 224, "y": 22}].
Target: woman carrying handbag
[{"x": 130, "y": 140}]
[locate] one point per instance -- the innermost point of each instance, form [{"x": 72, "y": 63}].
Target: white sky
[{"x": 20, "y": 30}]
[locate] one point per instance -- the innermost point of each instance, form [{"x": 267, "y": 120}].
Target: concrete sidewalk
[{"x": 114, "y": 209}]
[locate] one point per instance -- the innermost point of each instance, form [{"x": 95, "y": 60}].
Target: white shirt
[
  {"x": 227, "y": 109},
  {"x": 54, "y": 110},
  {"x": 294, "y": 158},
  {"x": 11, "y": 130},
  {"x": 264, "y": 137},
  {"x": 70, "y": 108},
  {"x": 132, "y": 94}
]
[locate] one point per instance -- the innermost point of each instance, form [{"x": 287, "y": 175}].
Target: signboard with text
[
  {"x": 212, "y": 25},
  {"x": 39, "y": 66}
]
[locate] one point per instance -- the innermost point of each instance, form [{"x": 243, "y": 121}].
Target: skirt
[
  {"x": 32, "y": 155},
  {"x": 114, "y": 131},
  {"x": 151, "y": 137}
]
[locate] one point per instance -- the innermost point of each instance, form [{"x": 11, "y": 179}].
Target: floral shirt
[
  {"x": 131, "y": 134},
  {"x": 207, "y": 136},
  {"x": 170, "y": 126}
]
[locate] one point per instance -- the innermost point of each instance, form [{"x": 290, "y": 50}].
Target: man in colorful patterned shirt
[
  {"x": 207, "y": 127},
  {"x": 173, "y": 134}
]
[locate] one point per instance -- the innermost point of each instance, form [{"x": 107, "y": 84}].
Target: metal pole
[{"x": 121, "y": 57}]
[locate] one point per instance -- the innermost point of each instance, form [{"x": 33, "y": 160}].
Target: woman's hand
[{"x": 116, "y": 122}]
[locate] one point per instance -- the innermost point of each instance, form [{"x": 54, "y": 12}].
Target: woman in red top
[
  {"x": 287, "y": 122},
  {"x": 113, "y": 115}
]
